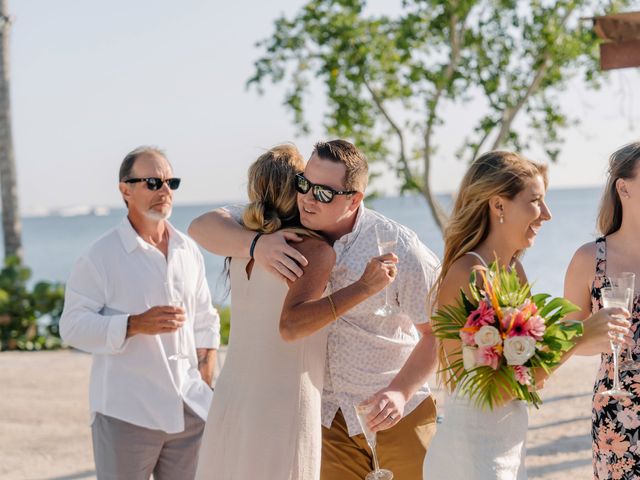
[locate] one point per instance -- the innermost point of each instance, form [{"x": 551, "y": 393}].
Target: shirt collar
[{"x": 131, "y": 240}]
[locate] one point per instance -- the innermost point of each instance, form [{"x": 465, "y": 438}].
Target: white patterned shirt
[{"x": 365, "y": 352}]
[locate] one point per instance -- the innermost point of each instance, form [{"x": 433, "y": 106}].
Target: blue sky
[{"x": 89, "y": 83}]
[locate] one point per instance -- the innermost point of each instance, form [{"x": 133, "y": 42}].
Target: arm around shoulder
[
  {"x": 303, "y": 313},
  {"x": 220, "y": 233}
]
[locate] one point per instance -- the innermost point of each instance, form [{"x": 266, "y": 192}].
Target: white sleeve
[
  {"x": 207, "y": 320},
  {"x": 235, "y": 211},
  {"x": 83, "y": 323},
  {"x": 418, "y": 275}
]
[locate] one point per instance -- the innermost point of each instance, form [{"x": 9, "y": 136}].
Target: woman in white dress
[
  {"x": 497, "y": 215},
  {"x": 264, "y": 421}
]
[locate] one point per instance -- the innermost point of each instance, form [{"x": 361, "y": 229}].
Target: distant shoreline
[{"x": 105, "y": 210}]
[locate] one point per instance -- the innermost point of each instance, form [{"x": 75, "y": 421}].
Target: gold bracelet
[{"x": 333, "y": 307}]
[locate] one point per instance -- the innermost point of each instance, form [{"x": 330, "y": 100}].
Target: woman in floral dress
[{"x": 616, "y": 421}]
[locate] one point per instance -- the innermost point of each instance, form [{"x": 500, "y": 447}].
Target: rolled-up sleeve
[
  {"x": 419, "y": 272},
  {"x": 207, "y": 320},
  {"x": 83, "y": 324}
]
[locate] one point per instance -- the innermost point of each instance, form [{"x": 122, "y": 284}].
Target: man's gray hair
[{"x": 127, "y": 164}]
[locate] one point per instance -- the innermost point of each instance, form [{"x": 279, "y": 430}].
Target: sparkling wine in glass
[
  {"x": 174, "y": 295},
  {"x": 378, "y": 473},
  {"x": 627, "y": 280},
  {"x": 616, "y": 297},
  {"x": 387, "y": 238}
]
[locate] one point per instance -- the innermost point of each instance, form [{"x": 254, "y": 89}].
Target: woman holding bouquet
[
  {"x": 616, "y": 421},
  {"x": 497, "y": 215}
]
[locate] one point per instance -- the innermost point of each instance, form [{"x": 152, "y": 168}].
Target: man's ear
[
  {"x": 621, "y": 187},
  {"x": 124, "y": 190},
  {"x": 356, "y": 200}
]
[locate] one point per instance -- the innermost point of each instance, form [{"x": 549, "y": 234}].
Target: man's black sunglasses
[
  {"x": 321, "y": 193},
  {"x": 155, "y": 183}
]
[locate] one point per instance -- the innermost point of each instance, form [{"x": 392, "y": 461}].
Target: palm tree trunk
[{"x": 9, "y": 195}]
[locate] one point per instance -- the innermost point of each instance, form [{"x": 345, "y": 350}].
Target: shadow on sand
[{"x": 75, "y": 476}]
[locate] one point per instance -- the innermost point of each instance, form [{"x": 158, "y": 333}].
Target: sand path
[{"x": 45, "y": 435}]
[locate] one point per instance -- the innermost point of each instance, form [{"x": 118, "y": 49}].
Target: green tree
[
  {"x": 8, "y": 189},
  {"x": 388, "y": 79}
]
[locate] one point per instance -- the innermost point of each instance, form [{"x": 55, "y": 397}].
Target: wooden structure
[{"x": 621, "y": 35}]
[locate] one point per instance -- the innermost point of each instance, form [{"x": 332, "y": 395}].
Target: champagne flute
[
  {"x": 378, "y": 473},
  {"x": 627, "y": 280},
  {"x": 616, "y": 297},
  {"x": 174, "y": 295},
  {"x": 387, "y": 238}
]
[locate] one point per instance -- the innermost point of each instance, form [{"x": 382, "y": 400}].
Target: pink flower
[
  {"x": 536, "y": 327},
  {"x": 489, "y": 356},
  {"x": 520, "y": 324},
  {"x": 467, "y": 335},
  {"x": 612, "y": 441},
  {"x": 522, "y": 374},
  {"x": 483, "y": 315},
  {"x": 628, "y": 419}
]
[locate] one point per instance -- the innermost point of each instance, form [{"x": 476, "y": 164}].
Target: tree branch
[
  {"x": 402, "y": 154},
  {"x": 454, "y": 58},
  {"x": 509, "y": 114}
]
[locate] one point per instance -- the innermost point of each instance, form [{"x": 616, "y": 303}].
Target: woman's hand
[
  {"x": 606, "y": 326},
  {"x": 379, "y": 273}
]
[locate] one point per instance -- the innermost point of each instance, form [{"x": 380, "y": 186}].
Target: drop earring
[{"x": 501, "y": 217}]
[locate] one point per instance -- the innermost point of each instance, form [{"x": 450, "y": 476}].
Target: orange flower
[
  {"x": 612, "y": 441},
  {"x": 491, "y": 292}
]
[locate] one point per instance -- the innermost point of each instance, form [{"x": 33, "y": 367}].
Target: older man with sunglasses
[
  {"x": 384, "y": 360},
  {"x": 138, "y": 300}
]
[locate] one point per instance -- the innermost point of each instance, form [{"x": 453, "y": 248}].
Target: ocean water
[{"x": 53, "y": 243}]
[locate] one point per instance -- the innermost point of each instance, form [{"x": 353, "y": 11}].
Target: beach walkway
[{"x": 45, "y": 435}]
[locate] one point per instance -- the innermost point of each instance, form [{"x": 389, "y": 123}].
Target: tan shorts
[{"x": 401, "y": 448}]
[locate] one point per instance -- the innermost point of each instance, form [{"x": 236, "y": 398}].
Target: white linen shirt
[
  {"x": 132, "y": 379},
  {"x": 365, "y": 352}
]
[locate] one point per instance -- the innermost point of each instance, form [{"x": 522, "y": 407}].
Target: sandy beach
[{"x": 45, "y": 435}]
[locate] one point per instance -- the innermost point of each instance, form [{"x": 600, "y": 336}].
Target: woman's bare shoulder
[
  {"x": 585, "y": 256},
  {"x": 318, "y": 248},
  {"x": 460, "y": 271}
]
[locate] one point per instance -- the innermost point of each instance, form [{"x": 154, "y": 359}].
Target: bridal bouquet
[{"x": 506, "y": 333}]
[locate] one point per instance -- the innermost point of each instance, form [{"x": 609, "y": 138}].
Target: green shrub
[
  {"x": 225, "y": 315},
  {"x": 20, "y": 309}
]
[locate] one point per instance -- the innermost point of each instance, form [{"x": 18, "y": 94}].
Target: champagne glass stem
[
  {"x": 386, "y": 297},
  {"x": 180, "y": 342},
  {"x": 616, "y": 376},
  {"x": 376, "y": 465}
]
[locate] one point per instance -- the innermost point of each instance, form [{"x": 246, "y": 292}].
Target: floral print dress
[{"x": 615, "y": 430}]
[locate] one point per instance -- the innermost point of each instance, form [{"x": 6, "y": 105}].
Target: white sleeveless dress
[
  {"x": 476, "y": 444},
  {"x": 264, "y": 421}
]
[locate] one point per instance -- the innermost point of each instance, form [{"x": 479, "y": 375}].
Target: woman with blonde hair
[
  {"x": 264, "y": 420},
  {"x": 616, "y": 421},
  {"x": 499, "y": 210}
]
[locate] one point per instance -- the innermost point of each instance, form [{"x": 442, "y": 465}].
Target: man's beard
[{"x": 157, "y": 216}]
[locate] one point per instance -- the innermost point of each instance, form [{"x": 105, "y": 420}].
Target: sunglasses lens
[
  {"x": 173, "y": 183},
  {"x": 153, "y": 183},
  {"x": 322, "y": 195},
  {"x": 302, "y": 184}
]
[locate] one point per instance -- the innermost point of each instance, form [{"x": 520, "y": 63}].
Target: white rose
[
  {"x": 487, "y": 336},
  {"x": 519, "y": 349},
  {"x": 469, "y": 357}
]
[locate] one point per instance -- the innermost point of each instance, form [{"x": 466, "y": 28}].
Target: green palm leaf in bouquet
[{"x": 505, "y": 334}]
